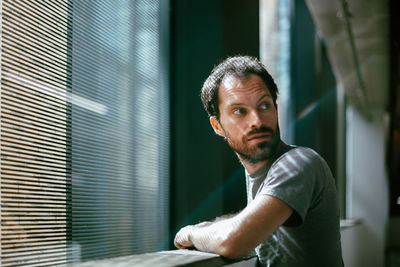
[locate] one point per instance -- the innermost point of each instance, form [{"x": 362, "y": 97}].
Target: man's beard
[{"x": 260, "y": 152}]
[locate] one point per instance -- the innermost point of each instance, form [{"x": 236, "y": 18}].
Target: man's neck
[{"x": 253, "y": 167}]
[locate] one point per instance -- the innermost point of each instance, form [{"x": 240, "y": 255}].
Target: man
[{"x": 292, "y": 216}]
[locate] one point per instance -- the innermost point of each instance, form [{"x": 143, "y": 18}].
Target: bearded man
[{"x": 292, "y": 214}]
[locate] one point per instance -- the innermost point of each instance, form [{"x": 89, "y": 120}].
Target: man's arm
[{"x": 238, "y": 235}]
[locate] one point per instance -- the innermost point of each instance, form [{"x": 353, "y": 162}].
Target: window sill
[
  {"x": 183, "y": 257},
  {"x": 348, "y": 223}
]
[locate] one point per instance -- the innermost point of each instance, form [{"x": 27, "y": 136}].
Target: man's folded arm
[{"x": 238, "y": 235}]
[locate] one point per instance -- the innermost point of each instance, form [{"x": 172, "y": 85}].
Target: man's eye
[
  {"x": 238, "y": 111},
  {"x": 265, "y": 106}
]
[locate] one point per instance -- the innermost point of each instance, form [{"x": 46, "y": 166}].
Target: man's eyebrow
[
  {"x": 234, "y": 104},
  {"x": 265, "y": 95}
]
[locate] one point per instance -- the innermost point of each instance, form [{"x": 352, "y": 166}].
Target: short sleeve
[{"x": 292, "y": 178}]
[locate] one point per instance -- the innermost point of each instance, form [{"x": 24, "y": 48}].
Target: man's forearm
[
  {"x": 224, "y": 217},
  {"x": 238, "y": 235},
  {"x": 218, "y": 219}
]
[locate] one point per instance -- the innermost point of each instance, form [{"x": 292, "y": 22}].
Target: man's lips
[{"x": 259, "y": 136}]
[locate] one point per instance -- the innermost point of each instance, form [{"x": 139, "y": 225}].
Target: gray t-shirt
[{"x": 311, "y": 236}]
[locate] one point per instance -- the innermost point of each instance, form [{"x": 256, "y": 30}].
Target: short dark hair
[{"x": 238, "y": 67}]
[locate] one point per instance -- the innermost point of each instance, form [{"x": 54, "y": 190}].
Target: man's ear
[{"x": 217, "y": 126}]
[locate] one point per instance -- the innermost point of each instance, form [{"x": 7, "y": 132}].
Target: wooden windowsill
[
  {"x": 348, "y": 223},
  {"x": 190, "y": 258}
]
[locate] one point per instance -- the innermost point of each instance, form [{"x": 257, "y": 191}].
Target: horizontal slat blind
[
  {"x": 84, "y": 130},
  {"x": 119, "y": 149},
  {"x": 33, "y": 133}
]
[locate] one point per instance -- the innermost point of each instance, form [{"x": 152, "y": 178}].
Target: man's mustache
[{"x": 262, "y": 129}]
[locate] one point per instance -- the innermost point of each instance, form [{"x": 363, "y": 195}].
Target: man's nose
[{"x": 255, "y": 120}]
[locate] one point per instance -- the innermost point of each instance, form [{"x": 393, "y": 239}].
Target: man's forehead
[{"x": 231, "y": 86}]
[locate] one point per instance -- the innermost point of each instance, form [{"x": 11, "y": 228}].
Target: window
[{"x": 84, "y": 130}]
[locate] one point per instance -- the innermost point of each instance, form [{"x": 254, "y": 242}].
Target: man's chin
[
  {"x": 258, "y": 152},
  {"x": 263, "y": 145},
  {"x": 256, "y": 156},
  {"x": 264, "y": 151}
]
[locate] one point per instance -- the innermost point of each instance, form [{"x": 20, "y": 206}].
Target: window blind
[
  {"x": 84, "y": 130},
  {"x": 33, "y": 133}
]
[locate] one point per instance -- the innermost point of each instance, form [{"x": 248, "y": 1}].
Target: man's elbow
[{"x": 232, "y": 249}]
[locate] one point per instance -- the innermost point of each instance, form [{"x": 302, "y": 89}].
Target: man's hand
[{"x": 182, "y": 238}]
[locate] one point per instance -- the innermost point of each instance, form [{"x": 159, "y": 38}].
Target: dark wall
[
  {"x": 394, "y": 142},
  {"x": 206, "y": 177}
]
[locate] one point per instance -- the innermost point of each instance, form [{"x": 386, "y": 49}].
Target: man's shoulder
[
  {"x": 298, "y": 154},
  {"x": 300, "y": 161}
]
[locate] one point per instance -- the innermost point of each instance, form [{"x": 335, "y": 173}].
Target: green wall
[{"x": 206, "y": 177}]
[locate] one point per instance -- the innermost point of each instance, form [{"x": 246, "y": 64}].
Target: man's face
[{"x": 248, "y": 118}]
